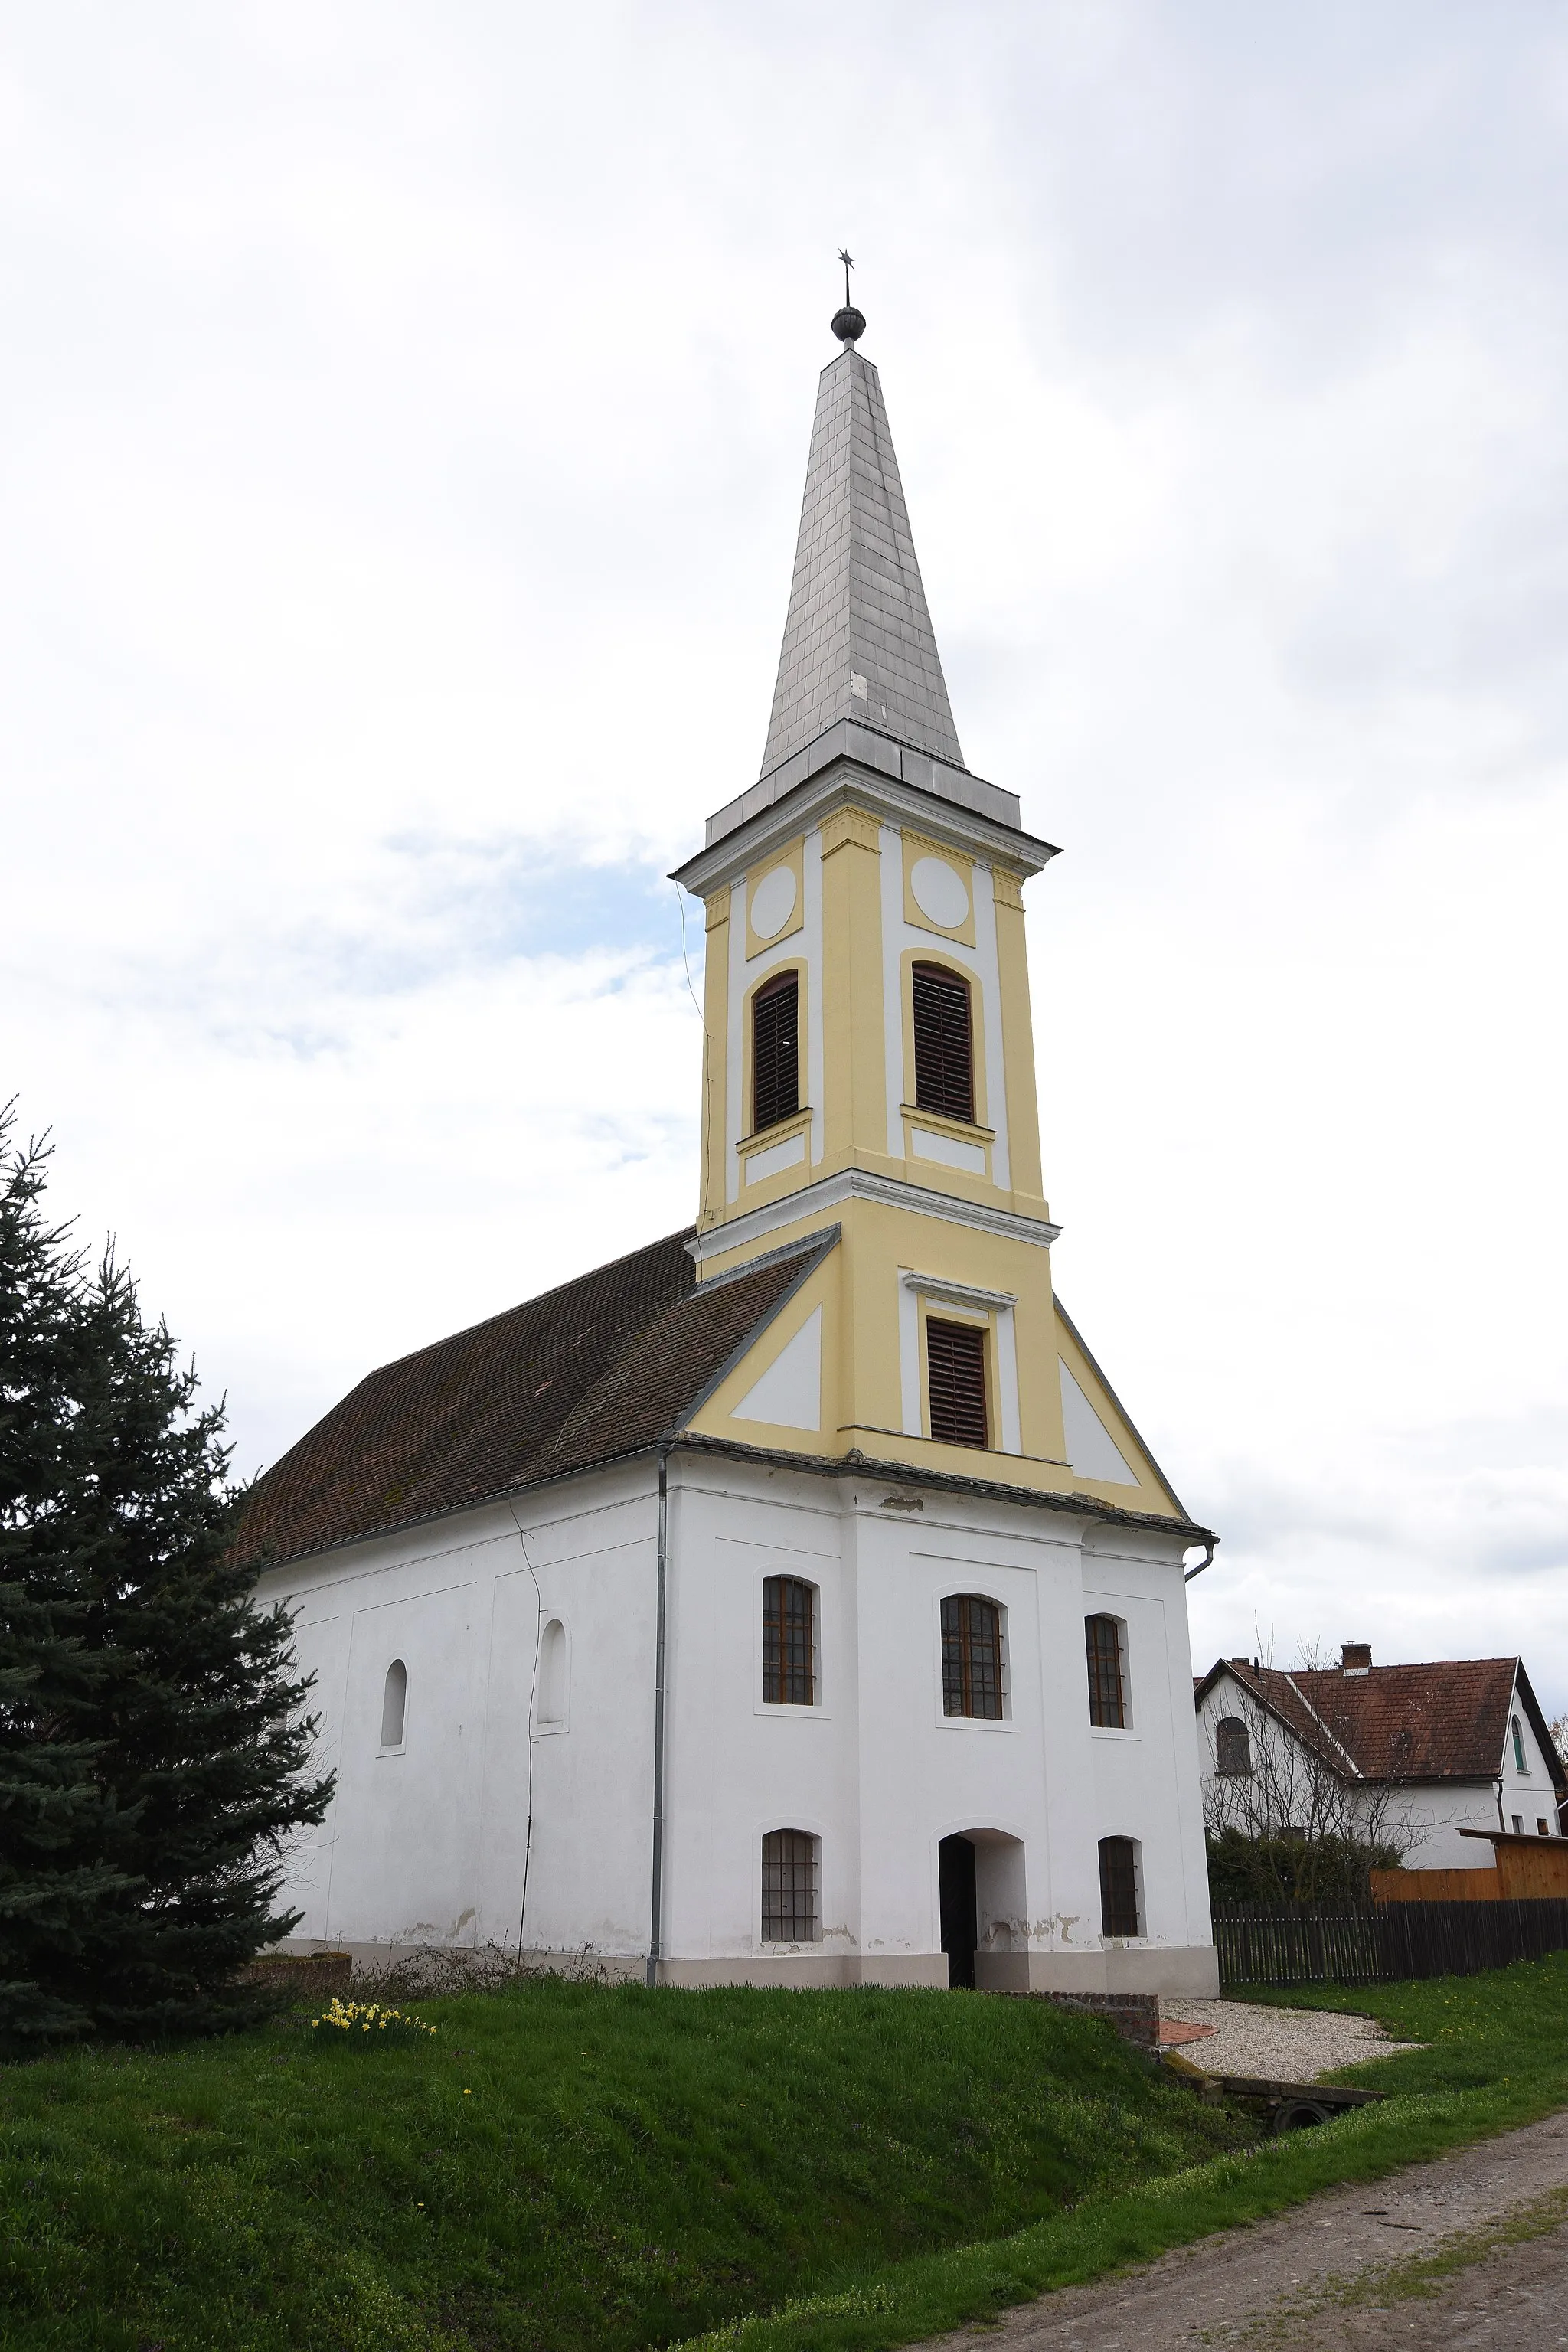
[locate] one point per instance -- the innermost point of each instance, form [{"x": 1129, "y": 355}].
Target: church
[{"x": 793, "y": 1602}]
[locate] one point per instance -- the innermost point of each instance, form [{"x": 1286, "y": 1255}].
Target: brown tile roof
[
  {"x": 1443, "y": 1721},
  {"x": 598, "y": 1367}
]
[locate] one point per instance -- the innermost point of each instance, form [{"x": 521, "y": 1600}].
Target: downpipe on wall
[
  {"x": 656, "y": 1921},
  {"x": 1206, "y": 1561}
]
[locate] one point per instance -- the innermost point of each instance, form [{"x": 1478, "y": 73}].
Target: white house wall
[{"x": 429, "y": 1845}]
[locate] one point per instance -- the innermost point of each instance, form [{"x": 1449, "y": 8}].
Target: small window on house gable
[
  {"x": 775, "y": 1051},
  {"x": 1106, "y": 1678},
  {"x": 394, "y": 1704},
  {"x": 789, "y": 1642},
  {"x": 971, "y": 1656},
  {"x": 791, "y": 1888},
  {"x": 1232, "y": 1749},
  {"x": 955, "y": 1380},
  {"x": 1519, "y": 1763},
  {"x": 944, "y": 1051}
]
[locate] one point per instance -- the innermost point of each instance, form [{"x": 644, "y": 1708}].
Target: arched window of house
[
  {"x": 789, "y": 1643},
  {"x": 1232, "y": 1749},
  {"x": 775, "y": 1051},
  {"x": 1107, "y": 1673},
  {"x": 944, "y": 1046},
  {"x": 552, "y": 1705},
  {"x": 1520, "y": 1765},
  {"x": 971, "y": 1656},
  {"x": 792, "y": 1871},
  {"x": 1119, "y": 1904},
  {"x": 394, "y": 1704}
]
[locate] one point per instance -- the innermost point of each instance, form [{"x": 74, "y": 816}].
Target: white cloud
[{"x": 400, "y": 443}]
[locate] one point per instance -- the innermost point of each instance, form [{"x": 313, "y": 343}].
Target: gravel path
[
  {"x": 1344, "y": 2272},
  {"x": 1286, "y": 2045}
]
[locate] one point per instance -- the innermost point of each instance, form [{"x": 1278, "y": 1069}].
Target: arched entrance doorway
[{"x": 985, "y": 1914}]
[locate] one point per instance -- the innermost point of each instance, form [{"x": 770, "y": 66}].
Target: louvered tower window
[
  {"x": 790, "y": 1881},
  {"x": 775, "y": 1051},
  {"x": 789, "y": 1669},
  {"x": 955, "y": 1369},
  {"x": 970, "y": 1655},
  {"x": 1118, "y": 1887},
  {"x": 1107, "y": 1688},
  {"x": 944, "y": 1055}
]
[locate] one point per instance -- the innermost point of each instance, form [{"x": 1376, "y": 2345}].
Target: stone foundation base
[
  {"x": 1093, "y": 1977},
  {"x": 1189, "y": 1969}
]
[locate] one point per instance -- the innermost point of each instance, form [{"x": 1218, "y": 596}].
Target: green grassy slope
[
  {"x": 1498, "y": 2057},
  {"x": 566, "y": 2165}
]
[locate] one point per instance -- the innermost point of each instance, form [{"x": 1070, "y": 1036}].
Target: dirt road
[{"x": 1472, "y": 2250}]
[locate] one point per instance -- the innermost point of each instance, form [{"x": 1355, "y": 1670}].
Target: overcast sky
[{"x": 402, "y": 433}]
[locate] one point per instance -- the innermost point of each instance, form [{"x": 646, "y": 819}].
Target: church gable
[{"x": 1107, "y": 1456}]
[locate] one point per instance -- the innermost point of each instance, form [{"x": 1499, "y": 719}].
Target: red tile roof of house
[{"x": 1446, "y": 1721}]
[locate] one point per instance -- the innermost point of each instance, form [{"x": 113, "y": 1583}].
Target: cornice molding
[
  {"x": 846, "y": 783},
  {"x": 830, "y": 1192}
]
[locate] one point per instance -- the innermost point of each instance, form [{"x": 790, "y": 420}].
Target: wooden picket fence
[{"x": 1384, "y": 1941}]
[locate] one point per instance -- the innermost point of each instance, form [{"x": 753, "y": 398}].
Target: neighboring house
[
  {"x": 1403, "y": 1756},
  {"x": 791, "y": 1602}
]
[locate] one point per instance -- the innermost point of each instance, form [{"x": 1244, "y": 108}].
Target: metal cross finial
[{"x": 849, "y": 323}]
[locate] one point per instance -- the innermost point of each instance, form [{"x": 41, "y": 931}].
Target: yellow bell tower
[{"x": 869, "y": 1065}]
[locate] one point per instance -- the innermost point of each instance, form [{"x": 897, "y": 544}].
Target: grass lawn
[
  {"x": 565, "y": 2164},
  {"x": 573, "y": 2166}
]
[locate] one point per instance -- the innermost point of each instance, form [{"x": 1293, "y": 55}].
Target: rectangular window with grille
[
  {"x": 1118, "y": 1887},
  {"x": 1106, "y": 1685},
  {"x": 775, "y": 1051},
  {"x": 955, "y": 1374},
  {"x": 790, "y": 1875},
  {"x": 944, "y": 1052},
  {"x": 789, "y": 1667},
  {"x": 971, "y": 1656}
]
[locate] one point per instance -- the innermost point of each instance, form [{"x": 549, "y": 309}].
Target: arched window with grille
[
  {"x": 394, "y": 1704},
  {"x": 775, "y": 1051},
  {"x": 972, "y": 1666},
  {"x": 945, "y": 1044},
  {"x": 789, "y": 1642},
  {"x": 792, "y": 1871},
  {"x": 1120, "y": 1909},
  {"x": 1233, "y": 1747},
  {"x": 1103, "y": 1640}
]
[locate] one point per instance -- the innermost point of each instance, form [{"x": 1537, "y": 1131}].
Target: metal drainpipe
[
  {"x": 656, "y": 1930},
  {"x": 1206, "y": 1561}
]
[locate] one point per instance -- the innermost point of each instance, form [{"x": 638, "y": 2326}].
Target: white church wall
[{"x": 431, "y": 1843}]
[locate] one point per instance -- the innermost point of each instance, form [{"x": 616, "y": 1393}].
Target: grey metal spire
[{"x": 859, "y": 642}]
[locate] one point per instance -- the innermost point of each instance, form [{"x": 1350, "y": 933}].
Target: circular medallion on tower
[
  {"x": 773, "y": 902},
  {"x": 940, "y": 892}
]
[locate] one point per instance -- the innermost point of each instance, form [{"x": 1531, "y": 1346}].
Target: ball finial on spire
[{"x": 849, "y": 324}]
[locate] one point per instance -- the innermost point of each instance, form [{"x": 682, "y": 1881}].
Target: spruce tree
[{"x": 155, "y": 1750}]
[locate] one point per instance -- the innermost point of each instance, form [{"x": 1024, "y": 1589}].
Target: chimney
[{"x": 1356, "y": 1657}]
